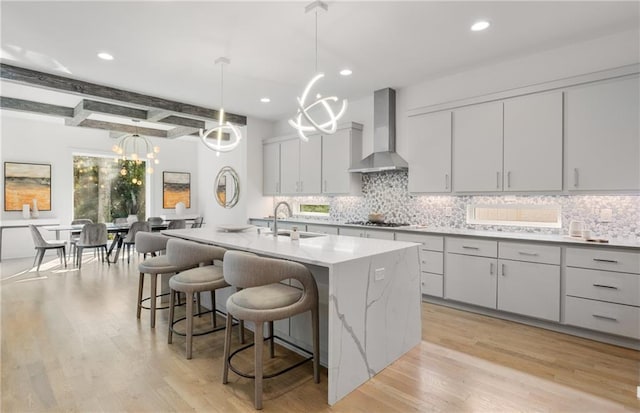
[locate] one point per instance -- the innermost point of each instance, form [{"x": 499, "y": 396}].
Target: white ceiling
[{"x": 168, "y": 49}]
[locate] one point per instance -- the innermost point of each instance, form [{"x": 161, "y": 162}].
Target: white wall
[{"x": 39, "y": 139}]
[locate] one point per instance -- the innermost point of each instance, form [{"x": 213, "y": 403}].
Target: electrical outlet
[
  {"x": 448, "y": 212},
  {"x": 606, "y": 215},
  {"x": 379, "y": 274},
  {"x": 638, "y": 392}
]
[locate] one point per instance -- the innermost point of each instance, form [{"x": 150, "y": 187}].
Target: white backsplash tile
[{"x": 386, "y": 192}]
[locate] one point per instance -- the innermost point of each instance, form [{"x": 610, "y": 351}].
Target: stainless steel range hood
[{"x": 384, "y": 156}]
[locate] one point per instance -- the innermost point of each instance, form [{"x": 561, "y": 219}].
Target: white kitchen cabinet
[
  {"x": 533, "y": 143},
  {"x": 339, "y": 152},
  {"x": 477, "y": 148},
  {"x": 300, "y": 166},
  {"x": 430, "y": 152},
  {"x": 603, "y": 136},
  {"x": 271, "y": 168},
  {"x": 322, "y": 229},
  {"x": 431, "y": 261},
  {"x": 471, "y": 279},
  {"x": 366, "y": 233},
  {"x": 529, "y": 288}
]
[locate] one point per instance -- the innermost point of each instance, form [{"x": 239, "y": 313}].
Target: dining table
[{"x": 119, "y": 232}]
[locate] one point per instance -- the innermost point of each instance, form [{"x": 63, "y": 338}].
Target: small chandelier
[
  {"x": 137, "y": 148},
  {"x": 330, "y": 125},
  {"x": 234, "y": 136}
]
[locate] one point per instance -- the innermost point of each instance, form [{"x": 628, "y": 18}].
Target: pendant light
[
  {"x": 135, "y": 147},
  {"x": 303, "y": 122},
  {"x": 220, "y": 144}
]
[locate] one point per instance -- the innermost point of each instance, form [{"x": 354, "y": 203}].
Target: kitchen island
[{"x": 369, "y": 298}]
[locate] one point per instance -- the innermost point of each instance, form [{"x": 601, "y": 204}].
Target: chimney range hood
[{"x": 384, "y": 156}]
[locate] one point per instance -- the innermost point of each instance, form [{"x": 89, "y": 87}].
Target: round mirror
[{"x": 227, "y": 187}]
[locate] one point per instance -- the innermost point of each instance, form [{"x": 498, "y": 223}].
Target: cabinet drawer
[
  {"x": 611, "y": 318},
  {"x": 429, "y": 242},
  {"x": 543, "y": 254},
  {"x": 431, "y": 284},
  {"x": 603, "y": 259},
  {"x": 322, "y": 229},
  {"x": 431, "y": 261},
  {"x": 290, "y": 225},
  {"x": 470, "y": 246},
  {"x": 603, "y": 285}
]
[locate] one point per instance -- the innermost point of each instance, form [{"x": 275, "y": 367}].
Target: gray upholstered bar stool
[
  {"x": 152, "y": 243},
  {"x": 205, "y": 277},
  {"x": 264, "y": 298}
]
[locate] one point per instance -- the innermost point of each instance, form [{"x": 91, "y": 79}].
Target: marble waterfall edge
[{"x": 359, "y": 301}]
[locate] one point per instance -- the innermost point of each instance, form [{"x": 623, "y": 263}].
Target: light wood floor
[{"x": 71, "y": 342}]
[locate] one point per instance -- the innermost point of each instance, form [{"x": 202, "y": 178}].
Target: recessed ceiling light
[
  {"x": 346, "y": 72},
  {"x": 105, "y": 56},
  {"x": 265, "y": 100},
  {"x": 480, "y": 25}
]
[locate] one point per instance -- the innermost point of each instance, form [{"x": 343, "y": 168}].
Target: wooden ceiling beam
[
  {"x": 78, "y": 87},
  {"x": 35, "y": 107}
]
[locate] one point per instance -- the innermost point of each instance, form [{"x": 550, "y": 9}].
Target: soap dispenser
[{"x": 295, "y": 235}]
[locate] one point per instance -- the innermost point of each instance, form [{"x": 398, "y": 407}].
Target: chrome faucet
[{"x": 275, "y": 216}]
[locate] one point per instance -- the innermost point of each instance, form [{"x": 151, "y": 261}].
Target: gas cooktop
[{"x": 377, "y": 224}]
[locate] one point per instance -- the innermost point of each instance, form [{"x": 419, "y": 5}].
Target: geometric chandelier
[
  {"x": 305, "y": 119},
  {"x": 136, "y": 147},
  {"x": 226, "y": 135}
]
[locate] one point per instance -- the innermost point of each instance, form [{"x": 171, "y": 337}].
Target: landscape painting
[
  {"x": 176, "y": 187},
  {"x": 24, "y": 182}
]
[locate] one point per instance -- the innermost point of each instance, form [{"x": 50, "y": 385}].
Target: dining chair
[
  {"x": 120, "y": 221},
  {"x": 177, "y": 224},
  {"x": 263, "y": 298},
  {"x": 130, "y": 239},
  {"x": 75, "y": 235},
  {"x": 155, "y": 220},
  {"x": 43, "y": 245},
  {"x": 197, "y": 223},
  {"x": 92, "y": 236}
]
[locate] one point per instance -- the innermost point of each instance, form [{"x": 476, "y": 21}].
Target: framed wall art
[
  {"x": 27, "y": 184},
  {"x": 176, "y": 187}
]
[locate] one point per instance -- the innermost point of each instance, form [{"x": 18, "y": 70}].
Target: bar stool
[
  {"x": 152, "y": 243},
  {"x": 264, "y": 299},
  {"x": 206, "y": 277}
]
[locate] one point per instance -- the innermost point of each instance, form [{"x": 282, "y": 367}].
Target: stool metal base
[
  {"x": 157, "y": 308},
  {"x": 200, "y": 333},
  {"x": 277, "y": 373}
]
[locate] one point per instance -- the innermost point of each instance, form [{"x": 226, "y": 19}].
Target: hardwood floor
[{"x": 71, "y": 342}]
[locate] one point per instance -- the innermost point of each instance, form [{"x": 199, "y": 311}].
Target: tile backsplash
[{"x": 386, "y": 192}]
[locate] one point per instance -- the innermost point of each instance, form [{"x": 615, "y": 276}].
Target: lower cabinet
[
  {"x": 322, "y": 229},
  {"x": 431, "y": 261},
  {"x": 471, "y": 279},
  {"x": 366, "y": 233}
]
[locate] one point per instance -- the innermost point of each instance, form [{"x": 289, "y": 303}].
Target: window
[
  {"x": 543, "y": 216},
  {"x": 108, "y": 188},
  {"x": 314, "y": 209}
]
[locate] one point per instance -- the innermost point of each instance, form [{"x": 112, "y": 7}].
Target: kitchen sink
[{"x": 287, "y": 233}]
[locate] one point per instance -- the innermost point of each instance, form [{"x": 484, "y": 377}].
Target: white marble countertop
[
  {"x": 325, "y": 250},
  {"x": 519, "y": 236}
]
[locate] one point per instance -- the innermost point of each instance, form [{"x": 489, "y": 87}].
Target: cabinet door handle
[
  {"x": 467, "y": 247},
  {"x": 490, "y": 268},
  {"x": 301, "y": 186},
  {"x": 604, "y": 317},
  {"x": 446, "y": 181},
  {"x": 277, "y": 187},
  {"x": 603, "y": 260},
  {"x": 509, "y": 179},
  {"x": 575, "y": 177},
  {"x": 503, "y": 271},
  {"x": 528, "y": 254},
  {"x": 325, "y": 185},
  {"x": 498, "y": 179},
  {"x": 605, "y": 286}
]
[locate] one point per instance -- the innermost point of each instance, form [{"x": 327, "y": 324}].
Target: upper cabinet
[
  {"x": 477, "y": 148},
  {"x": 602, "y": 136},
  {"x": 300, "y": 166},
  {"x": 339, "y": 152},
  {"x": 512, "y": 146},
  {"x": 319, "y": 166},
  {"x": 271, "y": 168},
  {"x": 533, "y": 143},
  {"x": 430, "y": 152}
]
